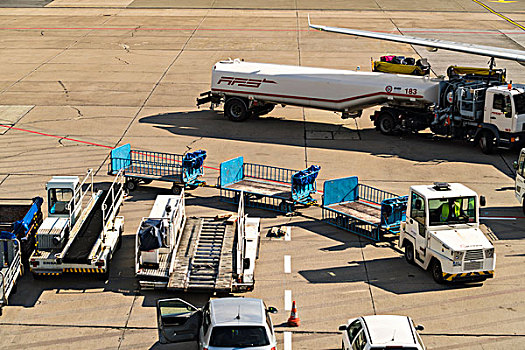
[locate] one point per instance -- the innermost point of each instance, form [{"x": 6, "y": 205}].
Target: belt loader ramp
[
  {"x": 86, "y": 244},
  {"x": 196, "y": 254}
]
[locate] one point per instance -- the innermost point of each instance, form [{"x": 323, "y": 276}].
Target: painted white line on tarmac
[
  {"x": 287, "y": 340},
  {"x": 287, "y": 264},
  {"x": 288, "y": 234},
  {"x": 288, "y": 300}
]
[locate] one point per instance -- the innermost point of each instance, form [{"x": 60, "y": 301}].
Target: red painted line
[
  {"x": 252, "y": 93},
  {"x": 71, "y": 139},
  {"x": 247, "y": 30}
]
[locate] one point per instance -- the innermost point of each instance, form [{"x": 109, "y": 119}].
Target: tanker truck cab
[
  {"x": 505, "y": 113},
  {"x": 441, "y": 233}
]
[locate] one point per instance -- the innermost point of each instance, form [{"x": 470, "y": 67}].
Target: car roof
[
  {"x": 237, "y": 311},
  {"x": 389, "y": 329}
]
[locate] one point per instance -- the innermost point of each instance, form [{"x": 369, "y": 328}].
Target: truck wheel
[
  {"x": 437, "y": 273},
  {"x": 386, "y": 123},
  {"x": 409, "y": 253},
  {"x": 131, "y": 185},
  {"x": 236, "y": 109},
  {"x": 486, "y": 142}
]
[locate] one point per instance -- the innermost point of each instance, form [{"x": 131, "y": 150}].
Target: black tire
[
  {"x": 409, "y": 253},
  {"x": 176, "y": 189},
  {"x": 131, "y": 185},
  {"x": 236, "y": 109},
  {"x": 486, "y": 142},
  {"x": 437, "y": 272},
  {"x": 386, "y": 123}
]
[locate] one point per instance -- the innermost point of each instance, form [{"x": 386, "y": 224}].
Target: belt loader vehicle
[
  {"x": 519, "y": 190},
  {"x": 82, "y": 230},
  {"x": 267, "y": 187},
  {"x": 204, "y": 254},
  {"x": 21, "y": 218},
  {"x": 442, "y": 234},
  {"x": 145, "y": 166},
  {"x": 11, "y": 267}
]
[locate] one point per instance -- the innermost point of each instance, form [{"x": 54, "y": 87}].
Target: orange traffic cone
[{"x": 294, "y": 321}]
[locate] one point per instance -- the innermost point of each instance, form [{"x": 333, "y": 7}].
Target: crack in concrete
[
  {"x": 188, "y": 146},
  {"x": 64, "y": 87},
  {"x": 121, "y": 60},
  {"x": 80, "y": 115}
]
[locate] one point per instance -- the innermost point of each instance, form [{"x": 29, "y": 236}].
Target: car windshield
[
  {"x": 519, "y": 102},
  {"x": 449, "y": 211},
  {"x": 239, "y": 337}
]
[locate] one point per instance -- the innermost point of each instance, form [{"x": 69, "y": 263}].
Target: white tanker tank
[{"x": 248, "y": 88}]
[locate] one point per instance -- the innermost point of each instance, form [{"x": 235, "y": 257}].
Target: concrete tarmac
[{"x": 79, "y": 77}]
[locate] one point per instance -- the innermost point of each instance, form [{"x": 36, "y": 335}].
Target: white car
[
  {"x": 226, "y": 323},
  {"x": 381, "y": 332}
]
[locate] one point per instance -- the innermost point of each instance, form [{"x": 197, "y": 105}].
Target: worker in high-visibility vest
[{"x": 445, "y": 210}]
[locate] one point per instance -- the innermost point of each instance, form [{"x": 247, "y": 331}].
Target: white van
[{"x": 226, "y": 323}]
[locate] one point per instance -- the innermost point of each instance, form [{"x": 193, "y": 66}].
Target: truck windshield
[
  {"x": 239, "y": 336},
  {"x": 449, "y": 211},
  {"x": 519, "y": 102},
  {"x": 58, "y": 199}
]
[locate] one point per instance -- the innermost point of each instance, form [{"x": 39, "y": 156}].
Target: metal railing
[
  {"x": 352, "y": 224},
  {"x": 78, "y": 196},
  {"x": 116, "y": 193},
  {"x": 270, "y": 173},
  {"x": 373, "y": 195}
]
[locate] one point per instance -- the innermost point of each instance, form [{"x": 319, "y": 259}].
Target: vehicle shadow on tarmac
[
  {"x": 390, "y": 274},
  {"x": 422, "y": 148}
]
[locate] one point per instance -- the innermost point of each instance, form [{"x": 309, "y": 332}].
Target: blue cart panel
[
  {"x": 361, "y": 209},
  {"x": 183, "y": 170},
  {"x": 266, "y": 186}
]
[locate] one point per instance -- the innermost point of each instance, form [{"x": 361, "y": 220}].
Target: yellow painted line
[
  {"x": 502, "y": 1},
  {"x": 499, "y": 14}
]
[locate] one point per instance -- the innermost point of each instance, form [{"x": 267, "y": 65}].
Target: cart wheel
[
  {"x": 409, "y": 253},
  {"x": 131, "y": 185},
  {"x": 176, "y": 189},
  {"x": 386, "y": 123},
  {"x": 146, "y": 181}
]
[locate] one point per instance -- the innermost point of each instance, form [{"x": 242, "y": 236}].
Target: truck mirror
[
  {"x": 420, "y": 327},
  {"x": 515, "y": 165},
  {"x": 342, "y": 327},
  {"x": 419, "y": 204},
  {"x": 482, "y": 201},
  {"x": 246, "y": 263}
]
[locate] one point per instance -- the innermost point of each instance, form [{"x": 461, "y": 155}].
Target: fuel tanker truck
[{"x": 471, "y": 104}]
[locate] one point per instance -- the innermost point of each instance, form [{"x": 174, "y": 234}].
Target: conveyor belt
[{"x": 88, "y": 234}]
